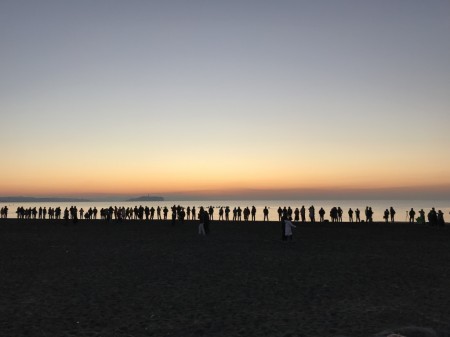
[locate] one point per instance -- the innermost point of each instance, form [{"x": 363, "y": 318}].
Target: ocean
[{"x": 401, "y": 207}]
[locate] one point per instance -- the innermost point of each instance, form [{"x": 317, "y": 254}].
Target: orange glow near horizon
[{"x": 190, "y": 179}]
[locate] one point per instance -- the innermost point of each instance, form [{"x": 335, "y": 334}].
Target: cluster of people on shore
[
  {"x": 225, "y": 213},
  {"x": 4, "y": 212},
  {"x": 336, "y": 214}
]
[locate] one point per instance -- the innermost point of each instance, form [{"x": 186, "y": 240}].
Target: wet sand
[{"x": 153, "y": 279}]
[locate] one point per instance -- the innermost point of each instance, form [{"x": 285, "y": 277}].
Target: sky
[{"x": 225, "y": 98}]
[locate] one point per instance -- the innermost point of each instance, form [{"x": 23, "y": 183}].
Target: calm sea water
[{"x": 378, "y": 206}]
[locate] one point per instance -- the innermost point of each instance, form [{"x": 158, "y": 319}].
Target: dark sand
[{"x": 152, "y": 279}]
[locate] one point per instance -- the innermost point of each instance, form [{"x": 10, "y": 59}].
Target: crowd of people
[{"x": 225, "y": 213}]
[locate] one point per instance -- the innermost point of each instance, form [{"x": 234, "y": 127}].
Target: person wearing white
[
  {"x": 288, "y": 225},
  {"x": 201, "y": 229}
]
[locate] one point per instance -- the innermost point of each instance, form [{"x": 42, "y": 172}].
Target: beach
[{"x": 149, "y": 278}]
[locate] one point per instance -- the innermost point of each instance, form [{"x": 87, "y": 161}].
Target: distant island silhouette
[
  {"x": 33, "y": 199},
  {"x": 147, "y": 198}
]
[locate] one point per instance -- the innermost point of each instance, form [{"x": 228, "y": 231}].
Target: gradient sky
[{"x": 166, "y": 97}]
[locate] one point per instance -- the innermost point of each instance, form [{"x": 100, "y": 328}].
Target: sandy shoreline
[{"x": 140, "y": 278}]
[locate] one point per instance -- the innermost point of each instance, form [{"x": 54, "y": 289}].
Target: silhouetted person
[
  {"x": 253, "y": 213},
  {"x": 221, "y": 211},
  {"x": 239, "y": 213},
  {"x": 339, "y": 213},
  {"x": 188, "y": 213},
  {"x": 227, "y": 213},
  {"x": 296, "y": 214},
  {"x": 421, "y": 218},
  {"x": 174, "y": 214},
  {"x": 152, "y": 213},
  {"x": 350, "y": 215},
  {"x": 432, "y": 217},
  {"x": 334, "y": 214},
  {"x": 312, "y": 214},
  {"x": 266, "y": 214},
  {"x": 321, "y": 214},
  {"x": 193, "y": 213},
  {"x": 440, "y": 218},
  {"x": 386, "y": 215},
  {"x": 206, "y": 222},
  {"x": 392, "y": 213},
  {"x": 357, "y": 214},
  {"x": 303, "y": 213},
  {"x": 412, "y": 213},
  {"x": 280, "y": 213},
  {"x": 66, "y": 215}
]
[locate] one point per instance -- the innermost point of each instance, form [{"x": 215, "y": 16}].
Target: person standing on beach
[
  {"x": 174, "y": 214},
  {"x": 312, "y": 214},
  {"x": 357, "y": 213},
  {"x": 339, "y": 213},
  {"x": 158, "y": 213},
  {"x": 280, "y": 213},
  {"x": 392, "y": 212},
  {"x": 412, "y": 213},
  {"x": 296, "y": 214},
  {"x": 211, "y": 212},
  {"x": 422, "y": 216},
  {"x": 303, "y": 213},
  {"x": 253, "y": 213},
  {"x": 239, "y": 213},
  {"x": 227, "y": 213},
  {"x": 386, "y": 215},
  {"x": 321, "y": 214},
  {"x": 266, "y": 214},
  {"x": 350, "y": 215},
  {"x": 440, "y": 218}
]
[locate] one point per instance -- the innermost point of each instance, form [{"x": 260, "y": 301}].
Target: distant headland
[{"x": 147, "y": 198}]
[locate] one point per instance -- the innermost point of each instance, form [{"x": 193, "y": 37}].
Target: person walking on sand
[
  {"x": 288, "y": 225},
  {"x": 206, "y": 222},
  {"x": 201, "y": 226}
]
